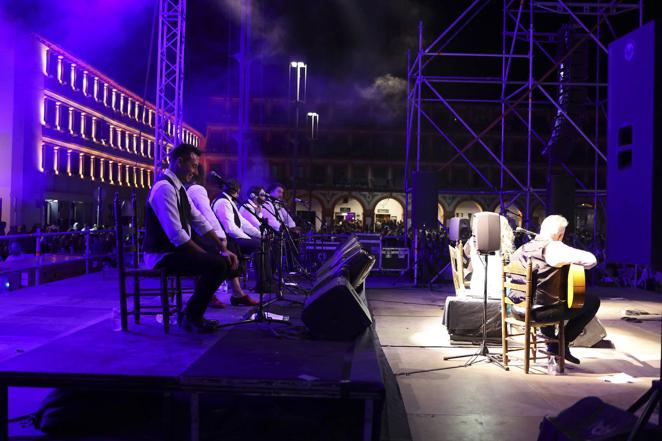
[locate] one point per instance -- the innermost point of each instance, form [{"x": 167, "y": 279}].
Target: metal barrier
[{"x": 40, "y": 255}]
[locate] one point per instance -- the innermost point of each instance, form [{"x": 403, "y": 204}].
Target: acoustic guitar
[{"x": 576, "y": 286}]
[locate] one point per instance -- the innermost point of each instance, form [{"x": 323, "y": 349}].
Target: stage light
[{"x": 293, "y": 64}]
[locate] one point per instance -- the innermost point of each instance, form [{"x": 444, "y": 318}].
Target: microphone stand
[{"x": 261, "y": 315}]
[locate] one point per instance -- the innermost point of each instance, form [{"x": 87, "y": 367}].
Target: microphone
[
  {"x": 274, "y": 200},
  {"x": 297, "y": 200},
  {"x": 521, "y": 230},
  {"x": 218, "y": 179}
]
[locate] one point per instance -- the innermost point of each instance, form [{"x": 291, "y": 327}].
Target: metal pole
[
  {"x": 529, "y": 120},
  {"x": 418, "y": 137},
  {"x": 407, "y": 150}
]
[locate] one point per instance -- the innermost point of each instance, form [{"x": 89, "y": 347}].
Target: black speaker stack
[{"x": 336, "y": 308}]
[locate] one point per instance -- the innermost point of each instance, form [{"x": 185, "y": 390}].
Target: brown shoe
[
  {"x": 242, "y": 301},
  {"x": 216, "y": 304}
]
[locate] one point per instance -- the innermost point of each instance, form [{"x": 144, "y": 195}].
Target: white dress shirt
[
  {"x": 269, "y": 213},
  {"x": 224, "y": 209},
  {"x": 200, "y": 199},
  {"x": 249, "y": 211},
  {"x": 163, "y": 198},
  {"x": 558, "y": 254}
]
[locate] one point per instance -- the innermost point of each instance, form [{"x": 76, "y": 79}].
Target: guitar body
[{"x": 576, "y": 286}]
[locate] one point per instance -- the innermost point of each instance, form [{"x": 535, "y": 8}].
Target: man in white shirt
[
  {"x": 200, "y": 199},
  {"x": 247, "y": 237},
  {"x": 169, "y": 220},
  {"x": 549, "y": 254},
  {"x": 274, "y": 212},
  {"x": 251, "y": 211}
]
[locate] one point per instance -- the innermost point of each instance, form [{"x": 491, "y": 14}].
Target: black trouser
[
  {"x": 210, "y": 268},
  {"x": 263, "y": 271},
  {"x": 577, "y": 318}
]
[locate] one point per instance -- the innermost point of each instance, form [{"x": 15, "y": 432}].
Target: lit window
[
  {"x": 101, "y": 169},
  {"x": 135, "y": 143},
  {"x": 119, "y": 174},
  {"x": 92, "y": 167},
  {"x": 85, "y": 84},
  {"x": 114, "y": 99},
  {"x": 128, "y": 106},
  {"x": 142, "y": 146},
  {"x": 96, "y": 88},
  {"x": 55, "y": 160},
  {"x": 144, "y": 114},
  {"x": 127, "y": 176},
  {"x": 110, "y": 171},
  {"x": 71, "y": 120},
  {"x": 105, "y": 94},
  {"x": 72, "y": 76},
  {"x": 142, "y": 178},
  {"x": 136, "y": 110},
  {"x": 122, "y": 103},
  {"x": 94, "y": 129},
  {"x": 127, "y": 141},
  {"x": 82, "y": 124},
  {"x": 135, "y": 177},
  {"x": 57, "y": 114},
  {"x": 81, "y": 162},
  {"x": 60, "y": 69},
  {"x": 44, "y": 59},
  {"x": 68, "y": 162}
]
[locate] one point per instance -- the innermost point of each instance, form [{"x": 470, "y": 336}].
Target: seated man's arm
[{"x": 558, "y": 254}]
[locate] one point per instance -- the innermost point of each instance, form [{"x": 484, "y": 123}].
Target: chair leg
[
  {"x": 136, "y": 299},
  {"x": 504, "y": 336},
  {"x": 165, "y": 302},
  {"x": 124, "y": 312},
  {"x": 561, "y": 337},
  {"x": 178, "y": 299},
  {"x": 535, "y": 346}
]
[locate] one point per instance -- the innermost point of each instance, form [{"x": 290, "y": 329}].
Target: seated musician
[
  {"x": 274, "y": 212},
  {"x": 169, "y": 216},
  {"x": 198, "y": 195},
  {"x": 549, "y": 254},
  {"x": 243, "y": 233},
  {"x": 495, "y": 263},
  {"x": 251, "y": 211}
]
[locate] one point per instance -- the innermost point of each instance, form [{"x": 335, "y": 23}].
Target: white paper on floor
[{"x": 621, "y": 378}]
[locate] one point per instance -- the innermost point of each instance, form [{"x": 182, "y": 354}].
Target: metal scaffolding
[
  {"x": 169, "y": 79},
  {"x": 529, "y": 78}
]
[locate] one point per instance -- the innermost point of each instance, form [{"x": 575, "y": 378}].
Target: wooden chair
[
  {"x": 456, "y": 254},
  {"x": 531, "y": 339},
  {"x": 169, "y": 285}
]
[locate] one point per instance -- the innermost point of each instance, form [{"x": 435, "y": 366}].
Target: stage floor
[
  {"x": 479, "y": 402},
  {"x": 483, "y": 402}
]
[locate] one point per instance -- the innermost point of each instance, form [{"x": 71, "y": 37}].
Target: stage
[{"x": 65, "y": 321}]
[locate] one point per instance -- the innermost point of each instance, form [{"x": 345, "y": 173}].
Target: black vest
[
  {"x": 156, "y": 241},
  {"x": 546, "y": 278}
]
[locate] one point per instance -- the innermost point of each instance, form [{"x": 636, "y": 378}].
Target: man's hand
[{"x": 234, "y": 260}]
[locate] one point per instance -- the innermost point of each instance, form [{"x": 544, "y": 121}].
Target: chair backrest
[
  {"x": 453, "y": 262},
  {"x": 459, "y": 255},
  {"x": 523, "y": 281}
]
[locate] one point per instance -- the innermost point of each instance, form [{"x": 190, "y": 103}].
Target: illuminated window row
[
  {"x": 91, "y": 86},
  {"x": 79, "y": 123},
  {"x": 69, "y": 162}
]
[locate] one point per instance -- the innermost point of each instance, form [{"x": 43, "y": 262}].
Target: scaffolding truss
[
  {"x": 529, "y": 67},
  {"x": 169, "y": 80}
]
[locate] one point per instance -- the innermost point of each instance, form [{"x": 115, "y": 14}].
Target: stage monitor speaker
[
  {"x": 334, "y": 311},
  {"x": 561, "y": 198},
  {"x": 634, "y": 150},
  {"x": 425, "y": 201},
  {"x": 354, "y": 266},
  {"x": 351, "y": 245},
  {"x": 487, "y": 229}
]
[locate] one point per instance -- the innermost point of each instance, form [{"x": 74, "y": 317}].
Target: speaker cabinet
[
  {"x": 487, "y": 229},
  {"x": 334, "y": 311},
  {"x": 425, "y": 201},
  {"x": 561, "y": 198},
  {"x": 634, "y": 180}
]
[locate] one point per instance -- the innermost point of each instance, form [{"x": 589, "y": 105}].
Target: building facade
[{"x": 71, "y": 138}]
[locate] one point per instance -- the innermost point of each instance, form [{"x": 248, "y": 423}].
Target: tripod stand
[
  {"x": 483, "y": 352},
  {"x": 261, "y": 315}
]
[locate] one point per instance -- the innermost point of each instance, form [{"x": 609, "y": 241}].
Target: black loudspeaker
[
  {"x": 424, "y": 201},
  {"x": 634, "y": 181},
  {"x": 487, "y": 229},
  {"x": 334, "y": 311},
  {"x": 561, "y": 198},
  {"x": 354, "y": 266}
]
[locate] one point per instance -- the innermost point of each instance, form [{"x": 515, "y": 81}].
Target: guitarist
[{"x": 549, "y": 254}]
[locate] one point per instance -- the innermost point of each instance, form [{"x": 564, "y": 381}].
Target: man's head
[
  {"x": 232, "y": 187},
  {"x": 276, "y": 190},
  {"x": 184, "y": 162},
  {"x": 257, "y": 194},
  {"x": 553, "y": 227}
]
